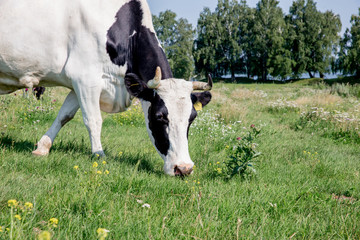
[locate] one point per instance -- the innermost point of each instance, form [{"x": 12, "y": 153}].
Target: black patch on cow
[
  {"x": 138, "y": 88},
  {"x": 158, "y": 123},
  {"x": 203, "y": 97},
  {"x": 158, "y": 113},
  {"x": 141, "y": 51},
  {"x": 192, "y": 117}
]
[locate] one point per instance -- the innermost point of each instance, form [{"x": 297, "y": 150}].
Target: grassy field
[{"x": 306, "y": 185}]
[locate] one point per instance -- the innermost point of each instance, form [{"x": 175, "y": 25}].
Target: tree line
[{"x": 260, "y": 42}]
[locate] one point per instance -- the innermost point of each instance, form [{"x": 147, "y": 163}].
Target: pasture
[{"x": 306, "y": 184}]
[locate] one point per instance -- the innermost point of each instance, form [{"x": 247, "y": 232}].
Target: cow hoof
[{"x": 39, "y": 153}]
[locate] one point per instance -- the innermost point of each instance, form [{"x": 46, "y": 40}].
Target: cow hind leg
[{"x": 66, "y": 113}]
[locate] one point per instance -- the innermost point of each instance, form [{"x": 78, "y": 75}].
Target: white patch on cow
[
  {"x": 147, "y": 17},
  {"x": 133, "y": 34},
  {"x": 176, "y": 95},
  {"x": 114, "y": 98},
  {"x": 43, "y": 146}
]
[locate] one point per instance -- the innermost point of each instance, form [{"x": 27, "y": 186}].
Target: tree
[
  {"x": 230, "y": 16},
  {"x": 205, "y": 44},
  {"x": 176, "y": 37},
  {"x": 220, "y": 34},
  {"x": 268, "y": 53},
  {"x": 349, "y": 55},
  {"x": 313, "y": 37}
]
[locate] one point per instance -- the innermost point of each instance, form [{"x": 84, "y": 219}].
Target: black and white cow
[{"x": 105, "y": 61}]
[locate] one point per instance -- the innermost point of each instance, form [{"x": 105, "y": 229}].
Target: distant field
[{"x": 306, "y": 184}]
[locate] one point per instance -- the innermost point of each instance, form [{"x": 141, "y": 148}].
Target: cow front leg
[
  {"x": 89, "y": 99},
  {"x": 66, "y": 113}
]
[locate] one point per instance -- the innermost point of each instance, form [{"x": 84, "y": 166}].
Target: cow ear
[
  {"x": 200, "y": 99},
  {"x": 138, "y": 88}
]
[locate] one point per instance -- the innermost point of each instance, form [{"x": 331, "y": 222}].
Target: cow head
[{"x": 168, "y": 107}]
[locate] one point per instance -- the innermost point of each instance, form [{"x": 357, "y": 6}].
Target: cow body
[
  {"x": 90, "y": 46},
  {"x": 61, "y": 43}
]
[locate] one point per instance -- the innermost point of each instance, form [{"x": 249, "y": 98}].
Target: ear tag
[{"x": 198, "y": 106}]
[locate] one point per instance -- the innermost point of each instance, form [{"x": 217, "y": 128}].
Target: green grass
[{"x": 306, "y": 186}]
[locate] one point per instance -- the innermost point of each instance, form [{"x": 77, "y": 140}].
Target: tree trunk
[
  {"x": 264, "y": 77},
  {"x": 310, "y": 74},
  {"x": 233, "y": 79},
  {"x": 358, "y": 73},
  {"x": 321, "y": 75}
]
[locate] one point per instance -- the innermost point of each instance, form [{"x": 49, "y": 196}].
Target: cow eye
[{"x": 159, "y": 116}]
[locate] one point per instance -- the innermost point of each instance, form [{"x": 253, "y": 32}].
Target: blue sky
[{"x": 190, "y": 9}]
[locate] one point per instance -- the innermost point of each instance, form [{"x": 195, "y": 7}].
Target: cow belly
[{"x": 8, "y": 84}]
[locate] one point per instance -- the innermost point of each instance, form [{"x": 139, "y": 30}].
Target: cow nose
[{"x": 183, "y": 170}]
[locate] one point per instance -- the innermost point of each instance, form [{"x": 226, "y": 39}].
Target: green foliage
[
  {"x": 313, "y": 37},
  {"x": 348, "y": 61},
  {"x": 242, "y": 155},
  {"x": 262, "y": 42},
  {"x": 218, "y": 48},
  {"x": 134, "y": 116},
  {"x": 176, "y": 37},
  {"x": 341, "y": 126},
  {"x": 268, "y": 41}
]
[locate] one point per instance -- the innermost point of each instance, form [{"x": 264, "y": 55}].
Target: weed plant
[{"x": 240, "y": 157}]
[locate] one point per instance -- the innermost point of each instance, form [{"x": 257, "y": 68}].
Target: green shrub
[
  {"x": 240, "y": 157},
  {"x": 333, "y": 124}
]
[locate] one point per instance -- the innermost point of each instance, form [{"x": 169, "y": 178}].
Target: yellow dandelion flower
[
  {"x": 217, "y": 162},
  {"x": 198, "y": 182},
  {"x": 1, "y": 229},
  {"x": 102, "y": 233},
  {"x": 227, "y": 147},
  {"x": 97, "y": 155},
  {"x": 54, "y": 221},
  {"x": 18, "y": 217},
  {"x": 12, "y": 203},
  {"x": 107, "y": 172},
  {"x": 76, "y": 167},
  {"x": 120, "y": 154},
  {"x": 7, "y": 229},
  {"x": 95, "y": 165},
  {"x": 219, "y": 170},
  {"x": 104, "y": 162},
  {"x": 28, "y": 206},
  {"x": 186, "y": 182},
  {"x": 44, "y": 235},
  {"x": 99, "y": 172},
  {"x": 209, "y": 164}
]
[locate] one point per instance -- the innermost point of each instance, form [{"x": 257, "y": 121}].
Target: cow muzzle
[{"x": 183, "y": 170}]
